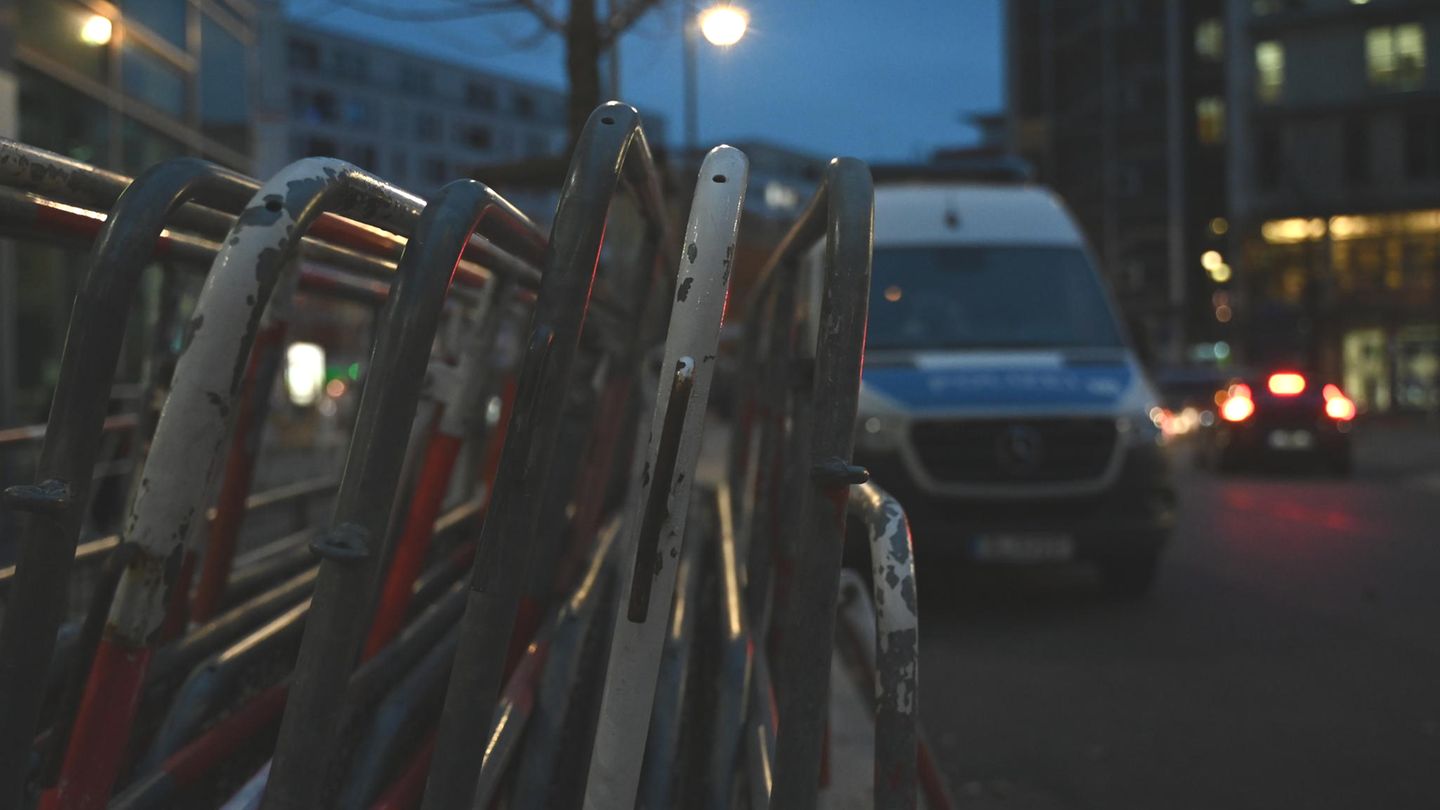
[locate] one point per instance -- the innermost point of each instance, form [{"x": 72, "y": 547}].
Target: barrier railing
[
  {"x": 802, "y": 366},
  {"x": 661, "y": 490},
  {"x": 611, "y": 147},
  {"x": 590, "y": 629}
]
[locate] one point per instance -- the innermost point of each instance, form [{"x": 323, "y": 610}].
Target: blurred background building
[
  {"x": 1335, "y": 189},
  {"x": 1260, "y": 178},
  {"x": 121, "y": 87},
  {"x": 1120, "y": 107},
  {"x": 417, "y": 121},
  {"x": 126, "y": 85},
  {"x": 1257, "y": 176}
]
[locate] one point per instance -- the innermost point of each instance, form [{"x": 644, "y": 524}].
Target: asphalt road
[{"x": 1289, "y": 657}]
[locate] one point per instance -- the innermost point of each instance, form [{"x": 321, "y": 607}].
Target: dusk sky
[{"x": 874, "y": 80}]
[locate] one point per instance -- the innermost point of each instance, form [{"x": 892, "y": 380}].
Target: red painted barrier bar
[
  {"x": 254, "y": 401},
  {"x": 408, "y": 788},
  {"x": 93, "y": 759},
  {"x": 414, "y": 543}
]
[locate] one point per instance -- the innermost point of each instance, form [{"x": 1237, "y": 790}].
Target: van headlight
[
  {"x": 1138, "y": 430},
  {"x": 878, "y": 433}
]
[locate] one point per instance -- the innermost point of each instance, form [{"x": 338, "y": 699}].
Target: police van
[{"x": 1002, "y": 402}]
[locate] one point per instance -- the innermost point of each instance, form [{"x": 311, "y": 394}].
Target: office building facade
[
  {"x": 1118, "y": 105},
  {"x": 1335, "y": 191},
  {"x": 415, "y": 120}
]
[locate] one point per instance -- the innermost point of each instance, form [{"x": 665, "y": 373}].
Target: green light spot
[{"x": 354, "y": 371}]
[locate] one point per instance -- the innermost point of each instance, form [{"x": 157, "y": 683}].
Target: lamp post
[{"x": 722, "y": 25}]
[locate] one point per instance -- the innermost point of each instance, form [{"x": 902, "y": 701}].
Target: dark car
[{"x": 1283, "y": 419}]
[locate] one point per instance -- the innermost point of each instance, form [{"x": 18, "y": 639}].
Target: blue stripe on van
[{"x": 950, "y": 388}]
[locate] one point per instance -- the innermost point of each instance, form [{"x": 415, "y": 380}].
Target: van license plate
[{"x": 1026, "y": 547}]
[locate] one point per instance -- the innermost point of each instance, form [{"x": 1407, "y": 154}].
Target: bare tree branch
[
  {"x": 546, "y": 17},
  {"x": 624, "y": 15},
  {"x": 526, "y": 42}
]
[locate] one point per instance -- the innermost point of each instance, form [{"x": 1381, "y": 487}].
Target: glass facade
[
  {"x": 122, "y": 86},
  {"x": 164, "y": 18},
  {"x": 62, "y": 119},
  {"x": 149, "y": 79},
  {"x": 142, "y": 147},
  {"x": 195, "y": 89},
  {"x": 224, "y": 86}
]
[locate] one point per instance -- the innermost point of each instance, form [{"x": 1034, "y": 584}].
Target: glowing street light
[
  {"x": 723, "y": 25},
  {"x": 96, "y": 30}
]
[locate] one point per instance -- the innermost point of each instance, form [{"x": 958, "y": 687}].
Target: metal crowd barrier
[
  {"x": 790, "y": 459},
  {"x": 612, "y": 146},
  {"x": 588, "y": 627}
]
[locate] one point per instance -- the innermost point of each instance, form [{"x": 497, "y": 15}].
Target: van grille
[{"x": 1011, "y": 451}]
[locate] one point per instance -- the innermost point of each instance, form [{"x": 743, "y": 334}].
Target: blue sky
[{"x": 876, "y": 80}]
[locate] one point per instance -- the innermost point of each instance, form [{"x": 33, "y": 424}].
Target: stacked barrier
[{"x": 599, "y": 622}]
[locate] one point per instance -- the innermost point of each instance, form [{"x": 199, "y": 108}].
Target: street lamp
[
  {"x": 96, "y": 30},
  {"x": 722, "y": 25}
]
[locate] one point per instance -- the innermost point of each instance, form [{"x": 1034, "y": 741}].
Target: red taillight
[
  {"x": 1238, "y": 404},
  {"x": 1337, "y": 405},
  {"x": 1286, "y": 384}
]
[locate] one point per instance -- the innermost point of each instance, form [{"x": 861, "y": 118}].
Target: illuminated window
[
  {"x": 304, "y": 372},
  {"x": 1210, "y": 119},
  {"x": 1395, "y": 56},
  {"x": 1269, "y": 70},
  {"x": 1210, "y": 39}
]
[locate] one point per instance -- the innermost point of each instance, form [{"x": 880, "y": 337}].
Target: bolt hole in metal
[
  {"x": 607, "y": 120},
  {"x": 719, "y": 178}
]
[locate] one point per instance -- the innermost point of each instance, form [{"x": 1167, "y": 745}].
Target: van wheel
[{"x": 1130, "y": 577}]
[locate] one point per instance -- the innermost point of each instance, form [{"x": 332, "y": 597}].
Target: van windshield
[{"x": 997, "y": 297}]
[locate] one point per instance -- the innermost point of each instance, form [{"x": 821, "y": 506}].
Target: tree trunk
[{"x": 582, "y": 64}]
